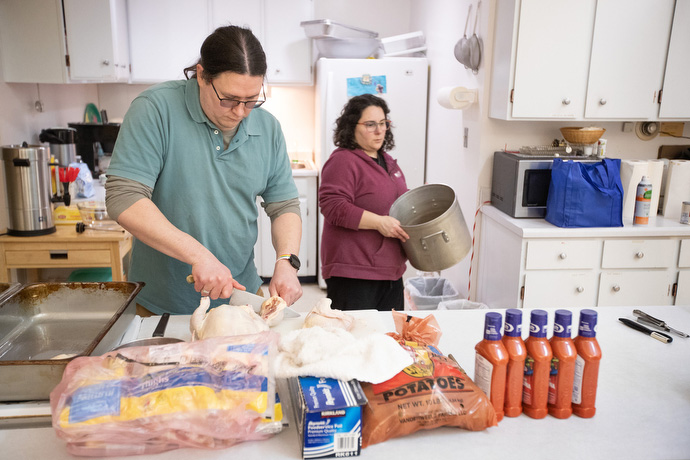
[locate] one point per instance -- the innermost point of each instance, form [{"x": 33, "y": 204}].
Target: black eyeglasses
[
  {"x": 232, "y": 103},
  {"x": 372, "y": 125}
]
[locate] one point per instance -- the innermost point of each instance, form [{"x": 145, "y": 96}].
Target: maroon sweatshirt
[{"x": 352, "y": 182}]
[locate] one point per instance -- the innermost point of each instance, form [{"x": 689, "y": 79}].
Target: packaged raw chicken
[{"x": 208, "y": 394}]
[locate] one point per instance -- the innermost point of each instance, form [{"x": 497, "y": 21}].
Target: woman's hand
[{"x": 390, "y": 227}]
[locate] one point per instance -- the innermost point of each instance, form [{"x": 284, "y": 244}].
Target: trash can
[{"x": 425, "y": 293}]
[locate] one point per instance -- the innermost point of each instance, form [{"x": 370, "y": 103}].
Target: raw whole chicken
[
  {"x": 224, "y": 320},
  {"x": 272, "y": 310},
  {"x": 323, "y": 315}
]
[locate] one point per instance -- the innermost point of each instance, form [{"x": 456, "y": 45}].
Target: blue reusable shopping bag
[{"x": 585, "y": 194}]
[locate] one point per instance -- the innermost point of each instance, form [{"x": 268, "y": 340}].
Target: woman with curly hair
[{"x": 362, "y": 259}]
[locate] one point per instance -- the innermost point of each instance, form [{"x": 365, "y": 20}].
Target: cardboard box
[{"x": 328, "y": 416}]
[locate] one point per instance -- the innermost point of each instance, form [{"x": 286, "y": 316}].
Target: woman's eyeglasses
[
  {"x": 372, "y": 125},
  {"x": 232, "y": 103}
]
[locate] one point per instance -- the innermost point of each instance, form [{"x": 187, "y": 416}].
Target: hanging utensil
[
  {"x": 462, "y": 47},
  {"x": 475, "y": 45}
]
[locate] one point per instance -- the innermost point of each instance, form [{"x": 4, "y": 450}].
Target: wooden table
[{"x": 65, "y": 249}]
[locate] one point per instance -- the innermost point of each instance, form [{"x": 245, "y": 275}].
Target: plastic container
[
  {"x": 404, "y": 45},
  {"x": 99, "y": 274},
  {"x": 515, "y": 347},
  {"x": 425, "y": 293},
  {"x": 562, "y": 366},
  {"x": 586, "y": 366},
  {"x": 491, "y": 362},
  {"x": 535, "y": 390},
  {"x": 643, "y": 202}
]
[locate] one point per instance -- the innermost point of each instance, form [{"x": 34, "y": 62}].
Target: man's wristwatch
[{"x": 293, "y": 259}]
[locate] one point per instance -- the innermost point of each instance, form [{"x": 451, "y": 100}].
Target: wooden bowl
[{"x": 576, "y": 135}]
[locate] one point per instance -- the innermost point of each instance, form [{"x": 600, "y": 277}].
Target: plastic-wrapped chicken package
[{"x": 209, "y": 394}]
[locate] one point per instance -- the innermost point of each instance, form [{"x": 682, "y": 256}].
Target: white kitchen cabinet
[
  {"x": 683, "y": 286},
  {"x": 166, "y": 35},
  {"x": 264, "y": 253},
  {"x": 89, "y": 45},
  {"x": 675, "y": 100},
  {"x": 558, "y": 59},
  {"x": 529, "y": 263}
]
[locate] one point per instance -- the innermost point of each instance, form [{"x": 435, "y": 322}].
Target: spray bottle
[{"x": 643, "y": 202}]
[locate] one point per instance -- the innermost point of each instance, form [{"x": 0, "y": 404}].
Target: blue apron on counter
[{"x": 585, "y": 194}]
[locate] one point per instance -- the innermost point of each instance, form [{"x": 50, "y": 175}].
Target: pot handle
[{"x": 422, "y": 240}]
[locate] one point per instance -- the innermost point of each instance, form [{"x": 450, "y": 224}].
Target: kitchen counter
[
  {"x": 540, "y": 228},
  {"x": 643, "y": 402}
]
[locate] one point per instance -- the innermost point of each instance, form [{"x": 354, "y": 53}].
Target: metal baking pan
[
  {"x": 325, "y": 28},
  {"x": 45, "y": 320}
]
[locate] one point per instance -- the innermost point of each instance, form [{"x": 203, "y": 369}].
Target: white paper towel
[
  {"x": 631, "y": 175},
  {"x": 677, "y": 188},
  {"x": 458, "y": 97}
]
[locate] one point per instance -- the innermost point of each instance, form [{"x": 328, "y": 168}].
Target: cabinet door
[
  {"x": 97, "y": 40},
  {"x": 288, "y": 50},
  {"x": 41, "y": 56},
  {"x": 675, "y": 101},
  {"x": 554, "y": 289},
  {"x": 636, "y": 288},
  {"x": 165, "y": 37},
  {"x": 626, "y": 69},
  {"x": 683, "y": 292},
  {"x": 552, "y": 58},
  {"x": 238, "y": 13}
]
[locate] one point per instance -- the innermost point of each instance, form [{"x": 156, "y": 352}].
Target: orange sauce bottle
[
  {"x": 491, "y": 361},
  {"x": 562, "y": 366},
  {"x": 535, "y": 383},
  {"x": 586, "y": 365},
  {"x": 515, "y": 346}
]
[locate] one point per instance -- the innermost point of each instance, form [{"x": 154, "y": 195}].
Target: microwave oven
[{"x": 520, "y": 182}]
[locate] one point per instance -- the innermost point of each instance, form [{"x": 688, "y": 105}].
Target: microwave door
[{"x": 535, "y": 191}]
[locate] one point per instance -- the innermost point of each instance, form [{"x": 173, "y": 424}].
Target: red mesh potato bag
[{"x": 432, "y": 392}]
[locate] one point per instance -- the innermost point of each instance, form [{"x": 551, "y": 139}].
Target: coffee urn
[
  {"x": 27, "y": 178},
  {"x": 63, "y": 144}
]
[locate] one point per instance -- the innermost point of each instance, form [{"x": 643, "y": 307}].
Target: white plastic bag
[
  {"x": 84, "y": 181},
  {"x": 425, "y": 293}
]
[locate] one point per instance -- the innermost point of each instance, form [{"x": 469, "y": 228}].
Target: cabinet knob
[
  {"x": 566, "y": 101},
  {"x": 602, "y": 101},
  {"x": 563, "y": 255},
  {"x": 580, "y": 289},
  {"x": 616, "y": 288},
  {"x": 105, "y": 62},
  {"x": 639, "y": 255}
]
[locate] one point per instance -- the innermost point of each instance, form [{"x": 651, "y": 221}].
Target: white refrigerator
[{"x": 402, "y": 82}]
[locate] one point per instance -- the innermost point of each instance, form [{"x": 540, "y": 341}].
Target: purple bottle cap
[
  {"x": 562, "y": 324},
  {"x": 588, "y": 323},
  {"x": 513, "y": 326},
  {"x": 538, "y": 321},
  {"x": 492, "y": 326}
]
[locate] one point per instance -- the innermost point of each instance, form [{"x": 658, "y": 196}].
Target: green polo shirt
[{"x": 167, "y": 143}]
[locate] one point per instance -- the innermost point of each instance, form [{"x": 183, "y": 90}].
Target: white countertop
[
  {"x": 643, "y": 405},
  {"x": 658, "y": 226}
]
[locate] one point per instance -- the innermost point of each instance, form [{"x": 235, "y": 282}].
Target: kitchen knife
[
  {"x": 650, "y": 320},
  {"x": 660, "y": 336}
]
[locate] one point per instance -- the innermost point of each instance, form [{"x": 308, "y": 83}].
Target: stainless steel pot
[
  {"x": 431, "y": 216},
  {"x": 27, "y": 177},
  {"x": 157, "y": 338}
]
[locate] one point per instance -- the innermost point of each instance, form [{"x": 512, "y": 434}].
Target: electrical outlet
[
  {"x": 465, "y": 137},
  {"x": 672, "y": 129},
  {"x": 628, "y": 127}
]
